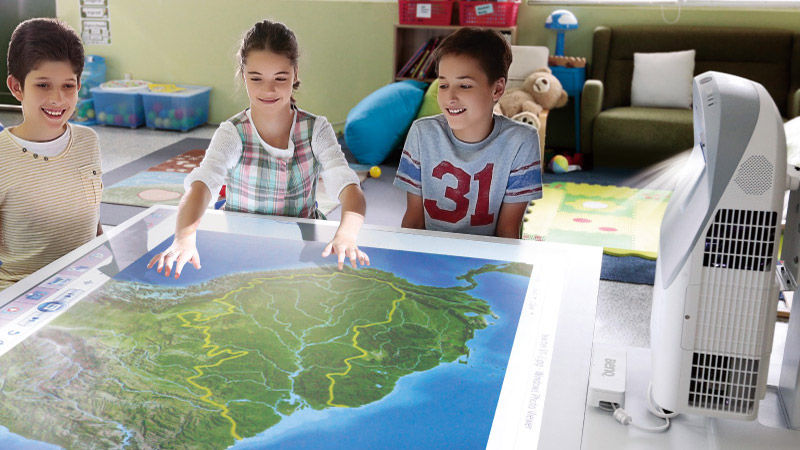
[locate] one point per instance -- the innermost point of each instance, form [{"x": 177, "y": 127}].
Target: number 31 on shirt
[{"x": 458, "y": 195}]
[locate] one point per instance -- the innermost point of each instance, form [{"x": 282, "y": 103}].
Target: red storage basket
[
  {"x": 441, "y": 12},
  {"x": 488, "y": 14}
]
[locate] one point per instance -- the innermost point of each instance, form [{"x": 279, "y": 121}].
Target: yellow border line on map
[
  {"x": 198, "y": 317},
  {"x": 214, "y": 349},
  {"x": 357, "y": 330}
]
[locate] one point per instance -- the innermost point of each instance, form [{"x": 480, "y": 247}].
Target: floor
[
  {"x": 122, "y": 145},
  {"x": 623, "y": 309}
]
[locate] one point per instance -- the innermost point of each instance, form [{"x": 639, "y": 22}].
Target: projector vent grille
[
  {"x": 754, "y": 176},
  {"x": 741, "y": 239},
  {"x": 723, "y": 383}
]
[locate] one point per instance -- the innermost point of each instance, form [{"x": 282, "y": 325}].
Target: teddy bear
[{"x": 540, "y": 90}]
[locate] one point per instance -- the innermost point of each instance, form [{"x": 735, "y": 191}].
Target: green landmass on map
[{"x": 145, "y": 366}]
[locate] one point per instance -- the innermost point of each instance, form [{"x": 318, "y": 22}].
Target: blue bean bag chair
[{"x": 378, "y": 124}]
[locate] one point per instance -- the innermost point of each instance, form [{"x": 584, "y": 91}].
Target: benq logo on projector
[{"x": 610, "y": 368}]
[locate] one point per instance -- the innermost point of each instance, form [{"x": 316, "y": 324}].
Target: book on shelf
[
  {"x": 429, "y": 69},
  {"x": 405, "y": 70},
  {"x": 430, "y": 64},
  {"x": 421, "y": 64},
  {"x": 418, "y": 67}
]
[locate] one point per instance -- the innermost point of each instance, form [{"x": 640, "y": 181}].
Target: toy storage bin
[
  {"x": 119, "y": 103},
  {"x": 488, "y": 14},
  {"x": 181, "y": 110},
  {"x": 84, "y": 113},
  {"x": 432, "y": 12},
  {"x": 94, "y": 74}
]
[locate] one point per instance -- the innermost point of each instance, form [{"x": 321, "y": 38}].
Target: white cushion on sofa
[
  {"x": 525, "y": 60},
  {"x": 663, "y": 79}
]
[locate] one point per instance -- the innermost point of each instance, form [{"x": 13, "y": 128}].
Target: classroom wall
[{"x": 347, "y": 46}]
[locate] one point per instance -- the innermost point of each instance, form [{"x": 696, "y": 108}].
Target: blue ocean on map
[
  {"x": 11, "y": 440},
  {"x": 223, "y": 254},
  {"x": 449, "y": 406}
]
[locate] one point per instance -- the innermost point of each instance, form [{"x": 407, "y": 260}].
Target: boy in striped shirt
[
  {"x": 50, "y": 184},
  {"x": 467, "y": 170}
]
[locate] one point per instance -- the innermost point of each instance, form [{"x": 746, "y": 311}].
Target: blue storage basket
[{"x": 181, "y": 110}]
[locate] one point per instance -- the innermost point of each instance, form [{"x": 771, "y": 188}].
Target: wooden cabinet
[{"x": 409, "y": 38}]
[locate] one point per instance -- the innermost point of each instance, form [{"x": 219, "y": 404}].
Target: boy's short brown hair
[
  {"x": 488, "y": 47},
  {"x": 43, "y": 39}
]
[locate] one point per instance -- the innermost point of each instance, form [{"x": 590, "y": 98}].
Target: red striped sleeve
[
  {"x": 519, "y": 169},
  {"x": 526, "y": 191},
  {"x": 408, "y": 155},
  {"x": 409, "y": 181}
]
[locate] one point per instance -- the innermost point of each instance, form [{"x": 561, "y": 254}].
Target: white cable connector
[
  {"x": 607, "y": 382},
  {"x": 655, "y": 409},
  {"x": 622, "y": 416}
]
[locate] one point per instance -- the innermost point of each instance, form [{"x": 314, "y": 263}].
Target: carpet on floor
[
  {"x": 625, "y": 221},
  {"x": 158, "y": 178},
  {"x": 652, "y": 191},
  {"x": 628, "y": 269}
]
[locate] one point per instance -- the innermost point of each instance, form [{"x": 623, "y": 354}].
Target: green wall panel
[
  {"x": 12, "y": 12},
  {"x": 345, "y": 47}
]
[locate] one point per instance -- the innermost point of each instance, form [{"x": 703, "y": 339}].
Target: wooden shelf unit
[{"x": 408, "y": 38}]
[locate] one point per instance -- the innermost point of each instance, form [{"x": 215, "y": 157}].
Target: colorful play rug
[
  {"x": 163, "y": 184},
  {"x": 624, "y": 221},
  {"x": 160, "y": 184}
]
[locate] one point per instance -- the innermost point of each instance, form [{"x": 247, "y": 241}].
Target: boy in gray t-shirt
[{"x": 467, "y": 170}]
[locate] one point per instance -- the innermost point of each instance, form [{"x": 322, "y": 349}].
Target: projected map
[{"x": 270, "y": 345}]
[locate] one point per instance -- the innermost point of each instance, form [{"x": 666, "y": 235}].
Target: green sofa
[{"x": 616, "y": 134}]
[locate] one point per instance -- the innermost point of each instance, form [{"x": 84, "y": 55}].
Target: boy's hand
[
  {"x": 181, "y": 251},
  {"x": 344, "y": 241}
]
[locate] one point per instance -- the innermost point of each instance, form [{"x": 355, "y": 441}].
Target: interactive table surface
[{"x": 444, "y": 341}]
